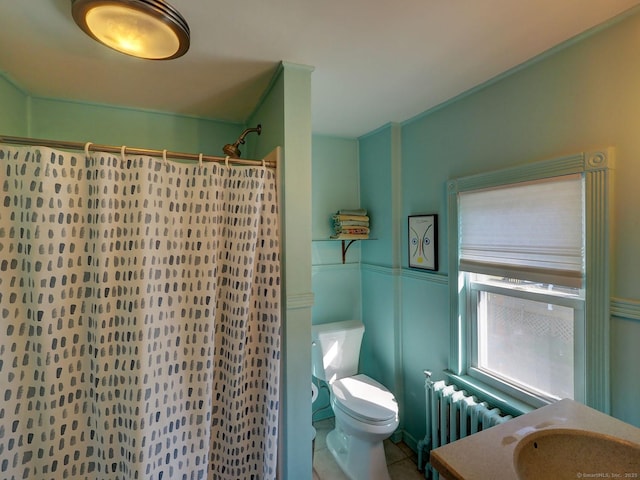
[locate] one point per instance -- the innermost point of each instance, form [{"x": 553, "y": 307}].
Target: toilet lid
[{"x": 364, "y": 398}]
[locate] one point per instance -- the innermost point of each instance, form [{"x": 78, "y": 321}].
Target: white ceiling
[{"x": 375, "y": 61}]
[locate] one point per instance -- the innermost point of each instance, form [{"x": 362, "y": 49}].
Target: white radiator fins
[{"x": 452, "y": 414}]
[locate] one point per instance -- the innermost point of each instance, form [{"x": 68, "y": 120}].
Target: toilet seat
[{"x": 364, "y": 399}]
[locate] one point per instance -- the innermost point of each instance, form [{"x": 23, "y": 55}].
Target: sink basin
[
  {"x": 570, "y": 453},
  {"x": 563, "y": 440}
]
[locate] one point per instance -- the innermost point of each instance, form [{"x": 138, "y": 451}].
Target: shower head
[{"x": 232, "y": 150}]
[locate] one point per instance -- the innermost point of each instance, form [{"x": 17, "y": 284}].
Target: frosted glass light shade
[{"x": 142, "y": 28}]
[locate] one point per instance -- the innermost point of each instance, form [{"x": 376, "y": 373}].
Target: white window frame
[
  {"x": 513, "y": 390},
  {"x": 592, "y": 357}
]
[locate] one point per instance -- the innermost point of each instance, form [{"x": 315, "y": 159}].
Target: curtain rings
[
  {"x": 200, "y": 161},
  {"x": 123, "y": 152},
  {"x": 226, "y": 161},
  {"x": 86, "y": 149}
]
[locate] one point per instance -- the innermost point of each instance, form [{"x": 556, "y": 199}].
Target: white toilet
[{"x": 366, "y": 413}]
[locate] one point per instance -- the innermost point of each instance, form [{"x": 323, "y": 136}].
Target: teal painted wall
[
  {"x": 424, "y": 302},
  {"x": 112, "y": 125},
  {"x": 335, "y": 185},
  {"x": 13, "y": 100},
  {"x": 336, "y": 287},
  {"x": 286, "y": 111},
  {"x": 297, "y": 248},
  {"x": 376, "y": 151},
  {"x": 270, "y": 114},
  {"x": 381, "y": 345},
  {"x": 580, "y": 97},
  {"x": 337, "y": 292},
  {"x": 285, "y": 114},
  {"x": 335, "y": 181}
]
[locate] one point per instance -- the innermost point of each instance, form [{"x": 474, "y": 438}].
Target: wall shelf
[{"x": 345, "y": 244}]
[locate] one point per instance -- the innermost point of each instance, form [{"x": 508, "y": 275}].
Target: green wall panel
[
  {"x": 425, "y": 342},
  {"x": 14, "y": 103},
  {"x": 580, "y": 98},
  {"x": 376, "y": 195},
  {"x": 105, "y": 124},
  {"x": 379, "y": 349},
  {"x": 285, "y": 115},
  {"x": 336, "y": 182}
]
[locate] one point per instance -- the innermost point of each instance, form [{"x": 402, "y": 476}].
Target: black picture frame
[{"x": 423, "y": 241}]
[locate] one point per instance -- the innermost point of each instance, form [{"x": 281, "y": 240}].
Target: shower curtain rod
[{"x": 130, "y": 150}]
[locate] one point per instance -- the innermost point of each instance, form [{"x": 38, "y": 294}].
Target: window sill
[{"x": 494, "y": 397}]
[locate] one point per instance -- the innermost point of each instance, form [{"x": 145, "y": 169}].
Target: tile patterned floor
[{"x": 401, "y": 460}]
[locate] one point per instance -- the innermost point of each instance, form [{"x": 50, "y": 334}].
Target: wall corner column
[{"x": 296, "y": 432}]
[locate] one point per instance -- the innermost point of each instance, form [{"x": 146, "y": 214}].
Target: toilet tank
[{"x": 335, "y": 349}]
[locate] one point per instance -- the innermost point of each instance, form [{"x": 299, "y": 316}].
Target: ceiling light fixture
[{"x": 150, "y": 29}]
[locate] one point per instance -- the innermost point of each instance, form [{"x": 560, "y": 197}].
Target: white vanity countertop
[{"x": 489, "y": 454}]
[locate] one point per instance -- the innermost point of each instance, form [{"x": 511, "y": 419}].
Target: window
[
  {"x": 530, "y": 307},
  {"x": 523, "y": 337}
]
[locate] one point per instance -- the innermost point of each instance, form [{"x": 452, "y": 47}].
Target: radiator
[{"x": 452, "y": 414}]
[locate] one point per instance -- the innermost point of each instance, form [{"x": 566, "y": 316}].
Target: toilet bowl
[{"x": 366, "y": 413}]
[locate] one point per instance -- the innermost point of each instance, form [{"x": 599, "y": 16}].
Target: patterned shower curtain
[{"x": 139, "y": 318}]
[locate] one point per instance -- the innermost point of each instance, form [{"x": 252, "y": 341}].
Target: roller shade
[{"x": 530, "y": 231}]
